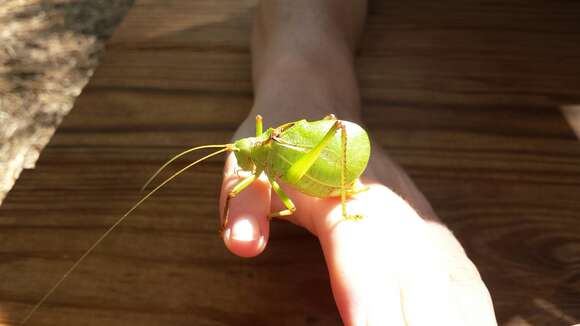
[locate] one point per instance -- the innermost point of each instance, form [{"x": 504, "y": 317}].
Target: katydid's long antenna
[
  {"x": 111, "y": 228},
  {"x": 187, "y": 151}
]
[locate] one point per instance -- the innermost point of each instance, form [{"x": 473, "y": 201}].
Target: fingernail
[{"x": 245, "y": 230}]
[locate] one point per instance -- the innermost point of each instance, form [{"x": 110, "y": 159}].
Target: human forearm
[{"x": 303, "y": 53}]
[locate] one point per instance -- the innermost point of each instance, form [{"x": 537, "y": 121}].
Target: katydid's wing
[{"x": 300, "y": 167}]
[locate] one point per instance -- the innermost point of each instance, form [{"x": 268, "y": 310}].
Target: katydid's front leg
[
  {"x": 242, "y": 184},
  {"x": 290, "y": 207},
  {"x": 233, "y": 193}
]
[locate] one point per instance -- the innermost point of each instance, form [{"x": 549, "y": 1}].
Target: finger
[
  {"x": 360, "y": 256},
  {"x": 247, "y": 231}
]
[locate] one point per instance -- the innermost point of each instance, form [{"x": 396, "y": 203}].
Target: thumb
[
  {"x": 360, "y": 255},
  {"x": 394, "y": 268},
  {"x": 247, "y": 229}
]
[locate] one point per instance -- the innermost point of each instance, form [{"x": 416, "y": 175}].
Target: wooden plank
[
  {"x": 205, "y": 24},
  {"x": 478, "y": 54},
  {"x": 465, "y": 95}
]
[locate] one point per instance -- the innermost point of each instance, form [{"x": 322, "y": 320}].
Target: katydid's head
[{"x": 243, "y": 151}]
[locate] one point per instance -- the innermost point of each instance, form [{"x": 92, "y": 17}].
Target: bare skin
[{"x": 413, "y": 270}]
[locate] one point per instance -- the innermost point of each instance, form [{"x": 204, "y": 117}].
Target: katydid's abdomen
[{"x": 324, "y": 177}]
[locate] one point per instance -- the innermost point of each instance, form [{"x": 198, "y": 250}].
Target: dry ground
[{"x": 48, "y": 51}]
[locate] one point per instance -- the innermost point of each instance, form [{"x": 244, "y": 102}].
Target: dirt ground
[{"x": 48, "y": 51}]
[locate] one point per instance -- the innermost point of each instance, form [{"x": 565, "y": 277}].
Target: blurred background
[{"x": 478, "y": 100}]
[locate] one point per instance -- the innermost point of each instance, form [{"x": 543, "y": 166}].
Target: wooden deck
[{"x": 475, "y": 99}]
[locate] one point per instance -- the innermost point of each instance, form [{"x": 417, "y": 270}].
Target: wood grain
[{"x": 465, "y": 95}]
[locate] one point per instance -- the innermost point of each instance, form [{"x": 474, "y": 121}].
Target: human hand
[{"x": 396, "y": 266}]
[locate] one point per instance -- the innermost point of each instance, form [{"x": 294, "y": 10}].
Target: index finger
[{"x": 247, "y": 229}]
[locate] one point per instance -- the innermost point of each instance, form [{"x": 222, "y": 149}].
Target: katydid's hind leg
[
  {"x": 356, "y": 188},
  {"x": 259, "y": 125},
  {"x": 243, "y": 184},
  {"x": 290, "y": 207},
  {"x": 303, "y": 164},
  {"x": 343, "y": 187}
]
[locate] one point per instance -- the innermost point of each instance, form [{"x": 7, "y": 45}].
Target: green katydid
[{"x": 321, "y": 158}]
